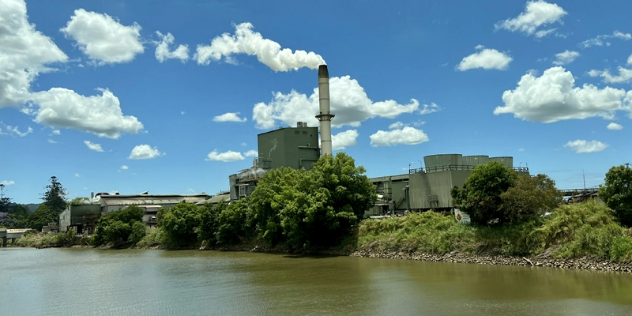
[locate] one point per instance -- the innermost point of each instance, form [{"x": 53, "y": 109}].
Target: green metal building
[
  {"x": 82, "y": 218},
  {"x": 429, "y": 187},
  {"x": 294, "y": 147}
]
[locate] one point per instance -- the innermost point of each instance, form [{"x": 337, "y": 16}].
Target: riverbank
[{"x": 579, "y": 263}]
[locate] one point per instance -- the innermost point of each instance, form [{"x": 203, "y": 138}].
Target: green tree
[
  {"x": 264, "y": 211},
  {"x": 209, "y": 222},
  {"x": 529, "y": 198},
  {"x": 116, "y": 227},
  {"x": 41, "y": 217},
  {"x": 617, "y": 193},
  {"x": 232, "y": 223},
  {"x": 480, "y": 197},
  {"x": 179, "y": 223},
  {"x": 55, "y": 196},
  {"x": 139, "y": 230},
  {"x": 325, "y": 203}
]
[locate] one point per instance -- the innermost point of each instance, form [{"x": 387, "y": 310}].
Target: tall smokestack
[{"x": 324, "y": 116}]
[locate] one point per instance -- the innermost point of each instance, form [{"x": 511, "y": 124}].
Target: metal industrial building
[
  {"x": 83, "y": 218},
  {"x": 294, "y": 147},
  {"x": 429, "y": 187}
]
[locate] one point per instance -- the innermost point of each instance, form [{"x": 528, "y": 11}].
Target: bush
[
  {"x": 231, "y": 223},
  {"x": 480, "y": 197},
  {"x": 209, "y": 222},
  {"x": 155, "y": 237},
  {"x": 116, "y": 227},
  {"x": 529, "y": 198},
  {"x": 139, "y": 230},
  {"x": 617, "y": 193},
  {"x": 180, "y": 223}
]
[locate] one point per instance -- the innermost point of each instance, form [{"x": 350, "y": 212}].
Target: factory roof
[{"x": 148, "y": 199}]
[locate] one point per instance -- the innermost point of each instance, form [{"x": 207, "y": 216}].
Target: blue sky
[{"x": 88, "y": 85}]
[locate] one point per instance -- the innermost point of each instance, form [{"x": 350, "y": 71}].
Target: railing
[{"x": 455, "y": 167}]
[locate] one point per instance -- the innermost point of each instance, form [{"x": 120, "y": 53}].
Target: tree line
[{"x": 18, "y": 216}]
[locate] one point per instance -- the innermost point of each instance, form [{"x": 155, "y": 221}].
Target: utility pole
[
  {"x": 1, "y": 190},
  {"x": 584, "y": 175}
]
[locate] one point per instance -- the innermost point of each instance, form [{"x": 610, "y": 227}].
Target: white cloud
[
  {"x": 124, "y": 167},
  {"x": 225, "y": 156},
  {"x": 7, "y": 182},
  {"x": 429, "y": 108},
  {"x": 521, "y": 149},
  {"x": 251, "y": 153},
  {"x": 583, "y": 146},
  {"x": 162, "y": 49},
  {"x": 553, "y": 97},
  {"x": 268, "y": 52},
  {"x": 77, "y": 175},
  {"x": 407, "y": 136},
  {"x": 614, "y": 127},
  {"x": 536, "y": 14},
  {"x": 565, "y": 57},
  {"x": 103, "y": 39},
  {"x": 229, "y": 117},
  {"x": 486, "y": 58},
  {"x": 98, "y": 114},
  {"x": 24, "y": 52},
  {"x": 624, "y": 75},
  {"x": 602, "y": 40},
  {"x": 396, "y": 125},
  {"x": 14, "y": 130},
  {"x": 51, "y": 141},
  {"x": 630, "y": 60},
  {"x": 344, "y": 139},
  {"x": 349, "y": 102},
  {"x": 56, "y": 132},
  {"x": 93, "y": 146},
  {"x": 144, "y": 152}
]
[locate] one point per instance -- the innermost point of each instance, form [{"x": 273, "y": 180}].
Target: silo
[
  {"x": 475, "y": 160},
  {"x": 506, "y": 161},
  {"x": 434, "y": 161}
]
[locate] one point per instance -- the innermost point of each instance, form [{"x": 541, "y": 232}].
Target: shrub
[
  {"x": 617, "y": 193},
  {"x": 139, "y": 230},
  {"x": 180, "y": 223},
  {"x": 209, "y": 222},
  {"x": 155, "y": 237},
  {"x": 116, "y": 227}
]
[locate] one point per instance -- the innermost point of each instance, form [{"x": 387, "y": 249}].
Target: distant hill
[{"x": 32, "y": 207}]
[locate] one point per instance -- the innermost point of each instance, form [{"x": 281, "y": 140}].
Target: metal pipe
[{"x": 325, "y": 115}]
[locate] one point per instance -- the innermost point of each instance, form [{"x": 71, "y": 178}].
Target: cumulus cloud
[
  {"x": 602, "y": 40},
  {"x": 103, "y": 39},
  {"x": 227, "y": 156},
  {"x": 624, "y": 75},
  {"x": 124, "y": 167},
  {"x": 349, "y": 102},
  {"x": 268, "y": 52},
  {"x": 24, "y": 53},
  {"x": 565, "y": 57},
  {"x": 229, "y": 117},
  {"x": 486, "y": 58},
  {"x": 97, "y": 114},
  {"x": 93, "y": 146},
  {"x": 583, "y": 146},
  {"x": 162, "y": 49},
  {"x": 14, "y": 130},
  {"x": 7, "y": 182},
  {"x": 553, "y": 97},
  {"x": 344, "y": 139},
  {"x": 144, "y": 152},
  {"x": 251, "y": 153},
  {"x": 614, "y": 127},
  {"x": 536, "y": 14},
  {"x": 396, "y": 125},
  {"x": 407, "y": 136}
]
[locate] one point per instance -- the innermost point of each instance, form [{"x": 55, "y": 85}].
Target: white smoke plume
[{"x": 268, "y": 52}]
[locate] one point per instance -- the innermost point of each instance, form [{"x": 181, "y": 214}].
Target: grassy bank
[
  {"x": 571, "y": 231},
  {"x": 40, "y": 240}
]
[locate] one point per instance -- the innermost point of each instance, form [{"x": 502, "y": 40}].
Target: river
[{"x": 157, "y": 282}]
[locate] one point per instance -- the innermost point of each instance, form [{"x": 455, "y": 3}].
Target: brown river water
[{"x": 157, "y": 282}]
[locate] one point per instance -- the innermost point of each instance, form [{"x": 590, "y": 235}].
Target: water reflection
[{"x": 153, "y": 282}]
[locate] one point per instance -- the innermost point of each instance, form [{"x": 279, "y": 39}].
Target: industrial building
[
  {"x": 294, "y": 147},
  {"x": 83, "y": 218},
  {"x": 429, "y": 188}
]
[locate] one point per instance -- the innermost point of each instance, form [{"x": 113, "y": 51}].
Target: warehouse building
[{"x": 429, "y": 188}]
